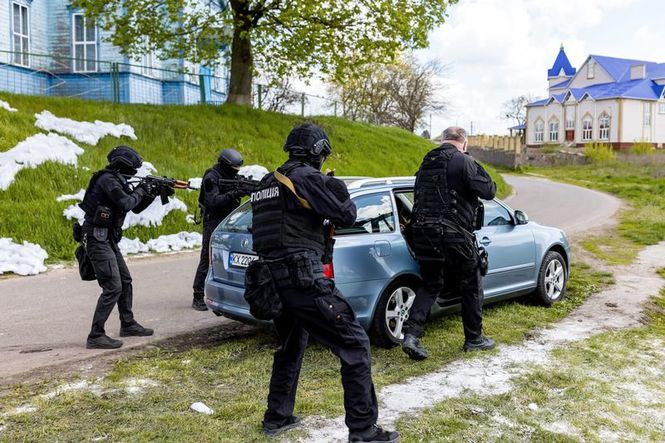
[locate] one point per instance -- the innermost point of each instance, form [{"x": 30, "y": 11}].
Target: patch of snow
[
  {"x": 137, "y": 385},
  {"x": 33, "y": 151},
  {"x": 132, "y": 246},
  {"x": 154, "y": 214},
  {"x": 189, "y": 218},
  {"x": 175, "y": 242},
  {"x": 66, "y": 197},
  {"x": 85, "y": 168},
  {"x": 492, "y": 374},
  {"x": 4, "y": 105},
  {"x": 25, "y": 259},
  {"x": 146, "y": 168},
  {"x": 254, "y": 172},
  {"x": 533, "y": 406},
  {"x": 85, "y": 132},
  {"x": 195, "y": 183},
  {"x": 202, "y": 408},
  {"x": 83, "y": 385},
  {"x": 25, "y": 409},
  {"x": 74, "y": 212}
]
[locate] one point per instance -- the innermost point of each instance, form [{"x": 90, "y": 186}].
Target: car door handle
[{"x": 485, "y": 241}]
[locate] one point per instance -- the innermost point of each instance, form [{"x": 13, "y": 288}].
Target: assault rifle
[
  {"x": 162, "y": 186},
  {"x": 240, "y": 183}
]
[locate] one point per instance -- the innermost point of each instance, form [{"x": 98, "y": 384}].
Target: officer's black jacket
[
  {"x": 328, "y": 198},
  {"x": 217, "y": 201},
  {"x": 463, "y": 175},
  {"x": 110, "y": 189}
]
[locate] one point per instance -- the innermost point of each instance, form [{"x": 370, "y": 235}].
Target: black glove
[
  {"x": 148, "y": 189},
  {"x": 167, "y": 191},
  {"x": 238, "y": 193}
]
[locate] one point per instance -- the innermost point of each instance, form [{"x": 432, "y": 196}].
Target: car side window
[
  {"x": 375, "y": 214},
  {"x": 495, "y": 214}
]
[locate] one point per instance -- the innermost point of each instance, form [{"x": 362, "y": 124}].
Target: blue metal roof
[
  {"x": 563, "y": 84},
  {"x": 518, "y": 127},
  {"x": 561, "y": 63},
  {"x": 619, "y": 68}
]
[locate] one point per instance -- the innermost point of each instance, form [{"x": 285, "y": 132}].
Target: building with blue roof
[
  {"x": 610, "y": 100},
  {"x": 49, "y": 47}
]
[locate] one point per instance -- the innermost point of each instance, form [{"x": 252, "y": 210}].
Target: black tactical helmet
[
  {"x": 230, "y": 158},
  {"x": 124, "y": 157},
  {"x": 308, "y": 140}
]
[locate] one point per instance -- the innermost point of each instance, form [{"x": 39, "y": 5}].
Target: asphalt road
[{"x": 44, "y": 319}]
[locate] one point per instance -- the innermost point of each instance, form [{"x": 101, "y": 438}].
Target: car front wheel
[
  {"x": 551, "y": 279},
  {"x": 391, "y": 314}
]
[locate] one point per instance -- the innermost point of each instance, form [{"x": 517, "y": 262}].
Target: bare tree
[
  {"x": 397, "y": 94},
  {"x": 515, "y": 109},
  {"x": 279, "y": 96}
]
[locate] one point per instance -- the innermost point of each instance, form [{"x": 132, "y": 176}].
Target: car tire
[
  {"x": 391, "y": 313},
  {"x": 552, "y": 279}
]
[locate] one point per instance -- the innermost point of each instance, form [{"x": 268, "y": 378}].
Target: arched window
[
  {"x": 587, "y": 128},
  {"x": 604, "y": 127},
  {"x": 554, "y": 130},
  {"x": 540, "y": 130}
]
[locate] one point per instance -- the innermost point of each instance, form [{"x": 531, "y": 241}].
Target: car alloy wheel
[
  {"x": 554, "y": 279},
  {"x": 551, "y": 279},
  {"x": 397, "y": 310}
]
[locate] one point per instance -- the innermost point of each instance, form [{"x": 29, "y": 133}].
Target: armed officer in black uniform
[
  {"x": 289, "y": 239},
  {"x": 107, "y": 201},
  {"x": 216, "y": 202},
  {"x": 448, "y": 185}
]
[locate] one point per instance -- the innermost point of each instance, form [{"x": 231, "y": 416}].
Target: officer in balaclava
[
  {"x": 107, "y": 200},
  {"x": 216, "y": 202},
  {"x": 288, "y": 234}
]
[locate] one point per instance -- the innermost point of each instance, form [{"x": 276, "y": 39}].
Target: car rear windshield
[{"x": 239, "y": 220}]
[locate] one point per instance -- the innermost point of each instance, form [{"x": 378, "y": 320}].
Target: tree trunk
[{"x": 242, "y": 66}]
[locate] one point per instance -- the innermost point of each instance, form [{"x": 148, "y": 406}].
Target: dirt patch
[{"x": 492, "y": 374}]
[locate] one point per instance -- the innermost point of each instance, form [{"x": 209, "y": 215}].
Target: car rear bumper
[{"x": 227, "y": 299}]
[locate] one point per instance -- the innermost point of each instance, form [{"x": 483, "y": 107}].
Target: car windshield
[{"x": 239, "y": 220}]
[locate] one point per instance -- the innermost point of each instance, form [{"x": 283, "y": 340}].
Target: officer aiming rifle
[
  {"x": 162, "y": 186},
  {"x": 239, "y": 183}
]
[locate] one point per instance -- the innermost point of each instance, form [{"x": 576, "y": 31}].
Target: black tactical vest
[
  {"x": 436, "y": 197},
  {"x": 280, "y": 221},
  {"x": 95, "y": 196}
]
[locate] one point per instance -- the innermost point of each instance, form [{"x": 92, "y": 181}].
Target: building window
[
  {"x": 540, "y": 129},
  {"x": 85, "y": 44},
  {"x": 591, "y": 69},
  {"x": 587, "y": 129},
  {"x": 604, "y": 127},
  {"x": 20, "y": 34},
  {"x": 554, "y": 131},
  {"x": 647, "y": 114},
  {"x": 570, "y": 117}
]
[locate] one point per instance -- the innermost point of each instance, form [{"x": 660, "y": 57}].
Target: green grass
[
  {"x": 182, "y": 142},
  {"x": 606, "y": 388},
  {"x": 641, "y": 185},
  {"x": 232, "y": 378}
]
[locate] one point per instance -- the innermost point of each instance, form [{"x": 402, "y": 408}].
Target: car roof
[{"x": 380, "y": 182}]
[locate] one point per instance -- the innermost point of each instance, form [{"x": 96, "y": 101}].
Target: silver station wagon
[{"x": 374, "y": 269}]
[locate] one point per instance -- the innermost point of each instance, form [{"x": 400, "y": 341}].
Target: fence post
[
  {"x": 202, "y": 89},
  {"x": 335, "y": 108},
  {"x": 302, "y": 104},
  {"x": 260, "y": 93},
  {"x": 115, "y": 82}
]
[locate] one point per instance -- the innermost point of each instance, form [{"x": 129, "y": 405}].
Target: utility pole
[{"x": 471, "y": 127}]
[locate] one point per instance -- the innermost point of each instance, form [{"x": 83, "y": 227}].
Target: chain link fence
[{"x": 36, "y": 74}]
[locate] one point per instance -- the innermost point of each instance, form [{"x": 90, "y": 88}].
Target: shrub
[
  {"x": 642, "y": 148},
  {"x": 599, "y": 152}
]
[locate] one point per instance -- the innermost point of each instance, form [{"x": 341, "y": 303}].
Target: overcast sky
[{"x": 498, "y": 49}]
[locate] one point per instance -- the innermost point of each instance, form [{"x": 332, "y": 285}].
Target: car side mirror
[{"x": 521, "y": 218}]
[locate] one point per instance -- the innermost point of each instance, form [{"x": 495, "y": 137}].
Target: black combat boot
[
  {"x": 274, "y": 429},
  {"x": 135, "y": 330},
  {"x": 103, "y": 342},
  {"x": 482, "y": 343},
  {"x": 374, "y": 434},
  {"x": 411, "y": 345},
  {"x": 198, "y": 304}
]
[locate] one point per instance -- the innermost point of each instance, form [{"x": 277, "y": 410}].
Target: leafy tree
[{"x": 279, "y": 38}]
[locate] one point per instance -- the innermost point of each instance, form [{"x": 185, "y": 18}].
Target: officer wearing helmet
[
  {"x": 216, "y": 202},
  {"x": 288, "y": 233},
  {"x": 107, "y": 201}
]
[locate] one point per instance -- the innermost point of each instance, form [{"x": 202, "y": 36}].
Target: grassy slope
[{"x": 181, "y": 142}]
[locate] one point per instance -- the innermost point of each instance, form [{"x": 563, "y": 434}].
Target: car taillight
[{"x": 329, "y": 270}]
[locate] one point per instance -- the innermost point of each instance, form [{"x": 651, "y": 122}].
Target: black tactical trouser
[
  {"x": 322, "y": 312},
  {"x": 459, "y": 266},
  {"x": 116, "y": 283},
  {"x": 204, "y": 262}
]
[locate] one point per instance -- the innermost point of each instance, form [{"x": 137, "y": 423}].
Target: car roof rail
[{"x": 381, "y": 181}]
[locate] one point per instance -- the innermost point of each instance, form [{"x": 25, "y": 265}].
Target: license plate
[{"x": 241, "y": 260}]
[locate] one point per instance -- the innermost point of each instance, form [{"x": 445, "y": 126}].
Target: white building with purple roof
[{"x": 608, "y": 100}]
